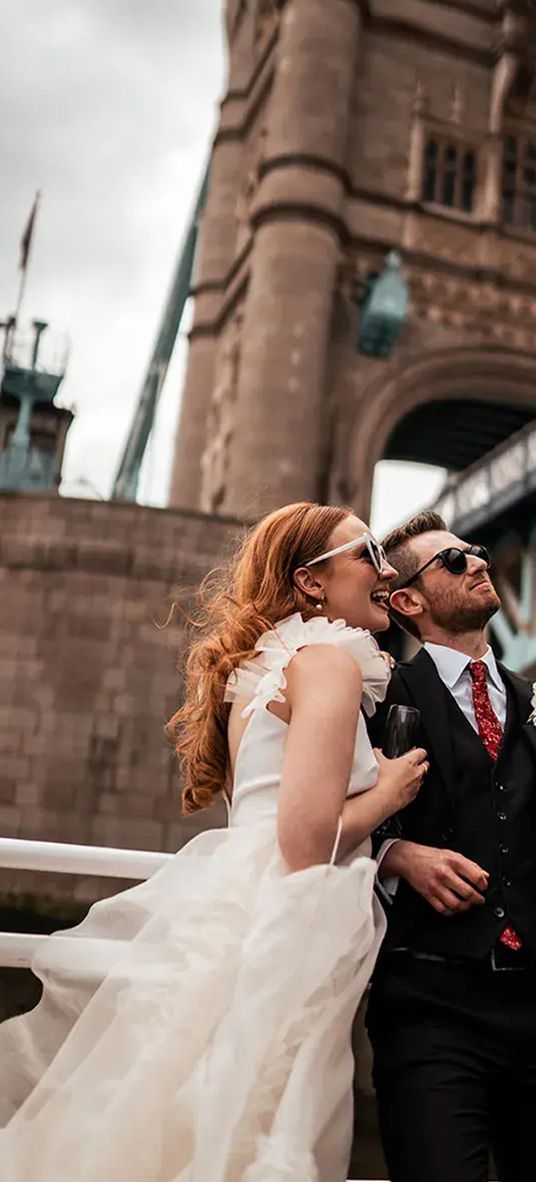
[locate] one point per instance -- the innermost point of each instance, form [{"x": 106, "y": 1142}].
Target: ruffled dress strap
[{"x": 262, "y": 680}]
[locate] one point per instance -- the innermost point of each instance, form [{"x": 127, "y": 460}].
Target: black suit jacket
[{"x": 463, "y": 796}]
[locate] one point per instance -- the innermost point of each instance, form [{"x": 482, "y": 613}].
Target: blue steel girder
[{"x": 126, "y": 482}]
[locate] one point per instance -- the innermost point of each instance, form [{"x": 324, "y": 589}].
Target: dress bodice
[{"x": 262, "y": 680}]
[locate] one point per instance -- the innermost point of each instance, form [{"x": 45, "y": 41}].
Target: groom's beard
[{"x": 458, "y": 613}]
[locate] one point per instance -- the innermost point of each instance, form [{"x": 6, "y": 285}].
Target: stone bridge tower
[{"x": 349, "y": 128}]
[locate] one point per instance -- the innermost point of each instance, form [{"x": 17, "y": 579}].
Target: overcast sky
[{"x": 108, "y": 107}]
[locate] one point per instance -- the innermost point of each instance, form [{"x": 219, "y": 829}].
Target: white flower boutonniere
[{"x": 532, "y": 716}]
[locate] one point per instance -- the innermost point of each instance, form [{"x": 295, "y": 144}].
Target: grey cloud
[{"x": 108, "y": 106}]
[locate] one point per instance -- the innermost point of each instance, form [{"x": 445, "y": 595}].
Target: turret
[{"x": 33, "y": 430}]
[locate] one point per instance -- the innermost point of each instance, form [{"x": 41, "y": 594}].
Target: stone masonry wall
[{"x": 88, "y": 679}]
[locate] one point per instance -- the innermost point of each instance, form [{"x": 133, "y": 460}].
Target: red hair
[{"x": 235, "y": 606}]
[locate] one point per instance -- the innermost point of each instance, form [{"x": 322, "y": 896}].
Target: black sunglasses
[{"x": 454, "y": 560}]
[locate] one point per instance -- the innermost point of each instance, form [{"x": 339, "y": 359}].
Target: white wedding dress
[{"x": 200, "y": 1029}]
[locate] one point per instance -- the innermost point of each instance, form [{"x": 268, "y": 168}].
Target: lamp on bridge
[{"x": 383, "y": 309}]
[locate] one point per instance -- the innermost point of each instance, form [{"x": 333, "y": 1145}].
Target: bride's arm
[
  {"x": 324, "y": 696},
  {"x": 324, "y": 687},
  {"x": 398, "y": 783}
]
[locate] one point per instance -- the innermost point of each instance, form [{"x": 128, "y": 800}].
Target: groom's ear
[{"x": 407, "y": 602}]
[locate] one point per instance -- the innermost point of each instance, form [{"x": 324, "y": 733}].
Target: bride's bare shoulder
[{"x": 323, "y": 666}]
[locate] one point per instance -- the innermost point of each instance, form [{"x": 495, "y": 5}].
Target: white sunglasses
[{"x": 376, "y": 552}]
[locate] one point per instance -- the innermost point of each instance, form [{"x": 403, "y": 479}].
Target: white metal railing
[
  {"x": 101, "y": 861},
  {"x": 17, "y": 948}
]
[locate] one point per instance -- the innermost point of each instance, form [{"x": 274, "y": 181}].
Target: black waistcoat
[{"x": 483, "y": 810}]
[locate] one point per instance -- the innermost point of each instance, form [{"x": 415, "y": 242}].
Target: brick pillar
[{"x": 274, "y": 452}]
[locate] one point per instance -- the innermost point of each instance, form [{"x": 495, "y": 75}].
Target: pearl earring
[{"x": 319, "y": 605}]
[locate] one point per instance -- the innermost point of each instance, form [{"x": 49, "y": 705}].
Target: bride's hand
[
  {"x": 389, "y": 660},
  {"x": 400, "y": 779}
]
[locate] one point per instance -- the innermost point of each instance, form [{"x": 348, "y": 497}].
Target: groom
[{"x": 452, "y": 1012}]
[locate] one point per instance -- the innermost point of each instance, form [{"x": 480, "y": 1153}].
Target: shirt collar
[{"x": 451, "y": 664}]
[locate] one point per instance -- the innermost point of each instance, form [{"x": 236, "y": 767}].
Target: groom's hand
[{"x": 448, "y": 881}]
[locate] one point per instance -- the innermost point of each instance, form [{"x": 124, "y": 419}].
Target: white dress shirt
[{"x": 453, "y": 669}]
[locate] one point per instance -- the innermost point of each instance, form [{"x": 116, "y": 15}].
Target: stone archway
[
  {"x": 456, "y": 433},
  {"x": 495, "y": 376}
]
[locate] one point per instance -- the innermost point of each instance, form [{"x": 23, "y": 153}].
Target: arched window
[
  {"x": 468, "y": 180},
  {"x": 449, "y": 173},
  {"x": 519, "y": 181}
]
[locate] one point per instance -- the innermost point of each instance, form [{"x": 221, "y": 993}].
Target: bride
[{"x": 197, "y": 1027}]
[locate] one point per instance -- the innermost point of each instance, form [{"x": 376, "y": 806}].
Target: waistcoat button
[
  {"x": 504, "y": 849},
  {"x": 501, "y": 816},
  {"x": 499, "y": 912}
]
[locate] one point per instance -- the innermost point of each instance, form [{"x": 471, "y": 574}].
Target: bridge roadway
[{"x": 495, "y": 493}]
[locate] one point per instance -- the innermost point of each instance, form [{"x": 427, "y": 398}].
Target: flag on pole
[{"x": 26, "y": 240}]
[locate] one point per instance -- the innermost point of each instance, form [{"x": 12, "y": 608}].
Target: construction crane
[{"x": 126, "y": 482}]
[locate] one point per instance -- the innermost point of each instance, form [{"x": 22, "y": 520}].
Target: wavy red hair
[{"x": 235, "y": 606}]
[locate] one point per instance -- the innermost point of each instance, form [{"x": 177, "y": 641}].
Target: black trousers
[{"x": 454, "y": 1070}]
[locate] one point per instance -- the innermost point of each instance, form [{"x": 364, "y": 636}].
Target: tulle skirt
[{"x": 197, "y": 1027}]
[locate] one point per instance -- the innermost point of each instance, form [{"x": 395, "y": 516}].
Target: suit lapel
[{"x": 427, "y": 691}]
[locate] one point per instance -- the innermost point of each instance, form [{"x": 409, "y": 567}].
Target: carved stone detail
[
  {"x": 518, "y": 25},
  {"x": 221, "y": 421},
  {"x": 458, "y": 244},
  {"x": 457, "y": 106},
  {"x": 236, "y": 15},
  {"x": 253, "y": 163},
  {"x": 421, "y": 99},
  {"x": 267, "y": 18}
]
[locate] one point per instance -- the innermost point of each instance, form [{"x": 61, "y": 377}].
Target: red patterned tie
[{"x": 491, "y": 733}]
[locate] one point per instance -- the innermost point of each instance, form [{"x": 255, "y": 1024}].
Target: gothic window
[
  {"x": 449, "y": 173},
  {"x": 519, "y": 181}
]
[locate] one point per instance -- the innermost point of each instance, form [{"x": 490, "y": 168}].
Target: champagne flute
[
  {"x": 401, "y": 730},
  {"x": 401, "y": 734}
]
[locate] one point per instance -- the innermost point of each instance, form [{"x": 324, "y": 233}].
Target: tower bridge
[{"x": 419, "y": 141}]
